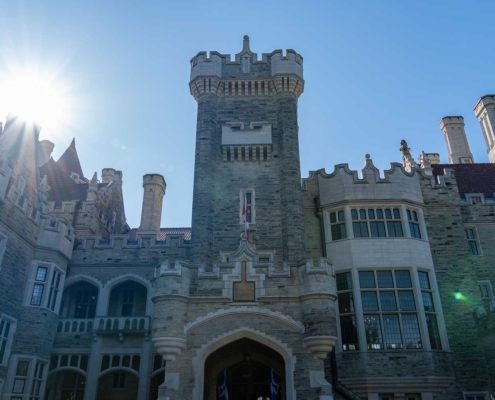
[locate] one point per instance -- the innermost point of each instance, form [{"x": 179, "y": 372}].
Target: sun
[{"x": 36, "y": 96}]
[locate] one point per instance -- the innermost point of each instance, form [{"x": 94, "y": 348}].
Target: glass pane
[
  {"x": 473, "y": 248},
  {"x": 409, "y": 215},
  {"x": 410, "y": 325},
  {"x": 406, "y": 300},
  {"x": 384, "y": 279},
  {"x": 333, "y": 218},
  {"x": 394, "y": 229},
  {"x": 349, "y": 333},
  {"x": 360, "y": 229},
  {"x": 396, "y": 213},
  {"x": 403, "y": 279},
  {"x": 433, "y": 332},
  {"x": 371, "y": 214},
  {"x": 70, "y": 379},
  {"x": 428, "y": 301},
  {"x": 379, "y": 214},
  {"x": 344, "y": 281},
  {"x": 37, "y": 294},
  {"x": 341, "y": 216},
  {"x": 373, "y": 331},
  {"x": 41, "y": 274},
  {"x": 18, "y": 386},
  {"x": 424, "y": 282},
  {"x": 387, "y": 301},
  {"x": 366, "y": 279},
  {"x": 369, "y": 300},
  {"x": 415, "y": 216},
  {"x": 354, "y": 214},
  {"x": 392, "y": 331},
  {"x": 22, "y": 368},
  {"x": 338, "y": 231},
  {"x": 377, "y": 229},
  {"x": 484, "y": 290},
  {"x": 362, "y": 214},
  {"x": 388, "y": 213},
  {"x": 346, "y": 303}
]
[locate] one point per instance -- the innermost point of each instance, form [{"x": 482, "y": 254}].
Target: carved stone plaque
[{"x": 244, "y": 291}]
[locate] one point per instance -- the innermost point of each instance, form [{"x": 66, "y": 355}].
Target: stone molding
[
  {"x": 320, "y": 346},
  {"x": 214, "y": 344},
  {"x": 243, "y": 310},
  {"x": 169, "y": 347},
  {"x": 362, "y": 386}
]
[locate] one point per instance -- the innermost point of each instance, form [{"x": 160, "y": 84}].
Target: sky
[{"x": 376, "y": 72}]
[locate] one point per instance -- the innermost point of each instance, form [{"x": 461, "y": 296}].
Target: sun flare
[{"x": 35, "y": 96}]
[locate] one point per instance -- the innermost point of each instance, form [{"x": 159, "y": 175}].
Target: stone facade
[{"x": 353, "y": 285}]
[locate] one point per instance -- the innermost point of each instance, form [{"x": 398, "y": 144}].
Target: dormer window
[
  {"x": 256, "y": 126},
  {"x": 236, "y": 126}
]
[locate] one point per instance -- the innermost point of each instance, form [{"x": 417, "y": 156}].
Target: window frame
[
  {"x": 51, "y": 294},
  {"x": 475, "y": 395},
  {"x": 436, "y": 312},
  {"x": 251, "y": 206},
  {"x": 474, "y": 239},
  {"x": 3, "y": 246},
  {"x": 9, "y": 339},
  {"x": 338, "y": 223},
  {"x": 487, "y": 283},
  {"x": 375, "y": 220},
  {"x": 383, "y": 312},
  {"x": 352, "y": 313}
]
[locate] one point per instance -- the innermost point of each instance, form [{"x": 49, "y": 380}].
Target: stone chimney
[
  {"x": 45, "y": 150},
  {"x": 107, "y": 175},
  {"x": 154, "y": 189},
  {"x": 485, "y": 112},
  {"x": 456, "y": 140}
]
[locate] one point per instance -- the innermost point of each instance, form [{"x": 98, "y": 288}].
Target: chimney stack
[
  {"x": 107, "y": 175},
  {"x": 154, "y": 189},
  {"x": 485, "y": 112},
  {"x": 45, "y": 150},
  {"x": 456, "y": 140}
]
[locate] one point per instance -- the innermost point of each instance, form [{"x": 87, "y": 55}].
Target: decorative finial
[
  {"x": 404, "y": 149},
  {"x": 367, "y": 156},
  {"x": 245, "y": 45},
  {"x": 95, "y": 178},
  {"x": 243, "y": 236},
  {"x": 73, "y": 143}
]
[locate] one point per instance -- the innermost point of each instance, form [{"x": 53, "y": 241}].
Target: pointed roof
[{"x": 69, "y": 161}]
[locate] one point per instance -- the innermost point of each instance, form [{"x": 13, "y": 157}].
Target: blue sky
[{"x": 376, "y": 72}]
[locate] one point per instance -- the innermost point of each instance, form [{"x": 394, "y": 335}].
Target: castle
[{"x": 342, "y": 285}]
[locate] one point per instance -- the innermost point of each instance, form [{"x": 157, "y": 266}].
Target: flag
[
  {"x": 274, "y": 385},
  {"x": 245, "y": 215},
  {"x": 222, "y": 389}
]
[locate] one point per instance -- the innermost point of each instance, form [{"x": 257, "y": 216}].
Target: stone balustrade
[{"x": 104, "y": 324}]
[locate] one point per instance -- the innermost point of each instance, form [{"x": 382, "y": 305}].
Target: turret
[
  {"x": 45, "y": 149},
  {"x": 456, "y": 140},
  {"x": 485, "y": 112},
  {"x": 154, "y": 189}
]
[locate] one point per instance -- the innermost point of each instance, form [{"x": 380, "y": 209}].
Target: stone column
[
  {"x": 94, "y": 365},
  {"x": 170, "y": 298},
  {"x": 145, "y": 370}
]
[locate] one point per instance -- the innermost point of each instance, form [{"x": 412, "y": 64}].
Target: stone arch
[
  {"x": 277, "y": 316},
  {"x": 120, "y": 368},
  {"x": 220, "y": 341},
  {"x": 83, "y": 278},
  {"x": 112, "y": 283},
  {"x": 68, "y": 368}
]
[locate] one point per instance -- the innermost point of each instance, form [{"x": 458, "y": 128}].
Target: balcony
[{"x": 121, "y": 326}]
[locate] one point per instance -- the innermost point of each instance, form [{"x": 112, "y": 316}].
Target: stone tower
[
  {"x": 456, "y": 140},
  {"x": 247, "y": 139},
  {"x": 485, "y": 112}
]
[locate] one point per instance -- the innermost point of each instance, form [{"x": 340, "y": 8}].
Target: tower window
[
  {"x": 337, "y": 225},
  {"x": 412, "y": 217},
  {"x": 473, "y": 243}
]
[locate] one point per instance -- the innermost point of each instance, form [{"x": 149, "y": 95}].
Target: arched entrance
[{"x": 247, "y": 366}]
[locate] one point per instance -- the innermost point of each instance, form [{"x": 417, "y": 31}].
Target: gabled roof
[
  {"x": 69, "y": 161},
  {"x": 164, "y": 232},
  {"x": 62, "y": 186},
  {"x": 471, "y": 178}
]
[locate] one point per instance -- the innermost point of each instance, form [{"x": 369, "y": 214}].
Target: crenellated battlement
[
  {"x": 245, "y": 75},
  {"x": 127, "y": 242}
]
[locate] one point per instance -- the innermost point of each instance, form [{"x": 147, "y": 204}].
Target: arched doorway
[
  {"x": 247, "y": 366},
  {"x": 65, "y": 385},
  {"x": 118, "y": 384}
]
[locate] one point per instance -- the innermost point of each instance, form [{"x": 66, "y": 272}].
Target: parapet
[
  {"x": 218, "y": 65},
  {"x": 487, "y": 100},
  {"x": 451, "y": 120}
]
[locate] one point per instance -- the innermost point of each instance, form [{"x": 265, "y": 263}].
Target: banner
[
  {"x": 274, "y": 385},
  {"x": 222, "y": 389}
]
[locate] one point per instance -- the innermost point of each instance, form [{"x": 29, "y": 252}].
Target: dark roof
[
  {"x": 69, "y": 161},
  {"x": 471, "y": 178},
  {"x": 62, "y": 186},
  {"x": 164, "y": 232}
]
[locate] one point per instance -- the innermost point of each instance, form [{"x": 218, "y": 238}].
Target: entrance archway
[{"x": 247, "y": 365}]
